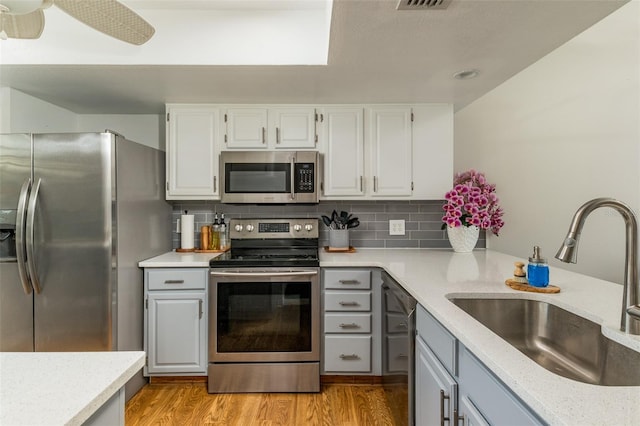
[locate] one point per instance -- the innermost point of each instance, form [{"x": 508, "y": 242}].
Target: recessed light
[{"x": 466, "y": 74}]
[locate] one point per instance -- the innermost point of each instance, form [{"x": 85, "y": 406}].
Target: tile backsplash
[{"x": 422, "y": 220}]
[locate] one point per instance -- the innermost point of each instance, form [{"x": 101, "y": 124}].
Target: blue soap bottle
[{"x": 538, "y": 269}]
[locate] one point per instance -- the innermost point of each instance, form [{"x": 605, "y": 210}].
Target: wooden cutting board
[{"x": 526, "y": 287}]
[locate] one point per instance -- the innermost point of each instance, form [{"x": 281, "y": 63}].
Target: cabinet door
[
  {"x": 492, "y": 399},
  {"x": 246, "y": 128},
  {"x": 432, "y": 151},
  {"x": 468, "y": 413},
  {"x": 436, "y": 391},
  {"x": 391, "y": 151},
  {"x": 343, "y": 145},
  {"x": 192, "y": 153},
  {"x": 292, "y": 128},
  {"x": 177, "y": 332}
]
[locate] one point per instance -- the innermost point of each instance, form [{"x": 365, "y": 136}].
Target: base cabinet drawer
[
  {"x": 346, "y": 279},
  {"x": 347, "y": 301},
  {"x": 347, "y": 323},
  {"x": 177, "y": 278},
  {"x": 347, "y": 354}
]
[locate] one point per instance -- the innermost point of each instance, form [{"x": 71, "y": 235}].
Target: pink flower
[{"x": 472, "y": 202}]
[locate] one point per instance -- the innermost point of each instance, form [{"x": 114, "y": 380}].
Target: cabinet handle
[
  {"x": 264, "y": 139},
  {"x": 349, "y": 282},
  {"x": 200, "y": 306},
  {"x": 349, "y": 356},
  {"x": 174, "y": 281},
  {"x": 375, "y": 184},
  {"x": 215, "y": 184},
  {"x": 277, "y": 135},
  {"x": 442, "y": 417},
  {"x": 361, "y": 183},
  {"x": 457, "y": 418},
  {"x": 352, "y": 325},
  {"x": 349, "y": 304}
]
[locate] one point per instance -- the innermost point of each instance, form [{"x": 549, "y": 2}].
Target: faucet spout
[{"x": 630, "y": 317}]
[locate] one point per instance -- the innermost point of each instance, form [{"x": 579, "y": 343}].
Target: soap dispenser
[{"x": 538, "y": 269}]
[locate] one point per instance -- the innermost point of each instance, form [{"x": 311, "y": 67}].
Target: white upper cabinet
[
  {"x": 432, "y": 151},
  {"x": 343, "y": 147},
  {"x": 369, "y": 152},
  {"x": 192, "y": 152},
  {"x": 390, "y": 140},
  {"x": 293, "y": 128},
  {"x": 246, "y": 128},
  {"x": 270, "y": 128}
]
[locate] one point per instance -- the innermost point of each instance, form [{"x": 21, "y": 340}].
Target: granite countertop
[
  {"x": 56, "y": 388},
  {"x": 432, "y": 276}
]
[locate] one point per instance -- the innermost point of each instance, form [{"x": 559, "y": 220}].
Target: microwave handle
[{"x": 293, "y": 178}]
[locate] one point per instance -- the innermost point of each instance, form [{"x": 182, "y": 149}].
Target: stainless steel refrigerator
[{"x": 77, "y": 213}]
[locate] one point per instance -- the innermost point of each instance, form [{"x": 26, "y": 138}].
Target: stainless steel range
[{"x": 264, "y": 305}]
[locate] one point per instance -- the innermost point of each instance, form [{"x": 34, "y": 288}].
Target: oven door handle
[{"x": 264, "y": 274}]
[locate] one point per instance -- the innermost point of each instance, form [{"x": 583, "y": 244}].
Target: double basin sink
[{"x": 558, "y": 340}]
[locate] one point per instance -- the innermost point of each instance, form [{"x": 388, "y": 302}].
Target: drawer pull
[
  {"x": 349, "y": 304},
  {"x": 402, "y": 356},
  {"x": 174, "y": 281},
  {"x": 349, "y": 282},
  {"x": 347, "y": 357},
  {"x": 352, "y": 325}
]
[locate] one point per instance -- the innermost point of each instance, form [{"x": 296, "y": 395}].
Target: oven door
[{"x": 264, "y": 315}]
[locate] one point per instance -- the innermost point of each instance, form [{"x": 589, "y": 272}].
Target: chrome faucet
[{"x": 630, "y": 319}]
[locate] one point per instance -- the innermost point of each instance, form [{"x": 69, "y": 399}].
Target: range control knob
[
  {"x": 297, "y": 228},
  {"x": 250, "y": 228},
  {"x": 308, "y": 227},
  {"x": 238, "y": 228}
]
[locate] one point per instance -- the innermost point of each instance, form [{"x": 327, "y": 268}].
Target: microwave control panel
[{"x": 304, "y": 178}]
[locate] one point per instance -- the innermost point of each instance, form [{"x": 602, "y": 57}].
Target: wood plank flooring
[{"x": 190, "y": 404}]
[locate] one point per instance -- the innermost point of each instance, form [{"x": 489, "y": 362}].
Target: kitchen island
[
  {"x": 70, "y": 388},
  {"x": 432, "y": 276}
]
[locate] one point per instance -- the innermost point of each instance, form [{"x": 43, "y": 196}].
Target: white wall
[
  {"x": 22, "y": 113},
  {"x": 146, "y": 129},
  {"x": 562, "y": 132}
]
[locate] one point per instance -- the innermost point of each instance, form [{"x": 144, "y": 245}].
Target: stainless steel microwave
[{"x": 263, "y": 177}]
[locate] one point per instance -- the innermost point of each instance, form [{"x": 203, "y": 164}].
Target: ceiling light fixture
[{"x": 466, "y": 74}]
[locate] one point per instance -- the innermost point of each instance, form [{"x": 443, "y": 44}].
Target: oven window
[
  {"x": 264, "y": 317},
  {"x": 246, "y": 178}
]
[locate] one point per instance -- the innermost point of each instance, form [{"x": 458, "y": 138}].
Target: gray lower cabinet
[
  {"x": 350, "y": 321},
  {"x": 176, "y": 312},
  {"x": 436, "y": 390},
  {"x": 453, "y": 386}
]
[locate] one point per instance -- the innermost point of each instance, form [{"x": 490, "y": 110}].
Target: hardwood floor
[{"x": 190, "y": 404}]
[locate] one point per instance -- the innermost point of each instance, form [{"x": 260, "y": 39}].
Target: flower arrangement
[{"x": 472, "y": 202}]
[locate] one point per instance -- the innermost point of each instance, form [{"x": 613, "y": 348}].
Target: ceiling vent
[{"x": 423, "y": 4}]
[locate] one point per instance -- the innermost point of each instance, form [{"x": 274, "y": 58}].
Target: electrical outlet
[{"x": 396, "y": 227}]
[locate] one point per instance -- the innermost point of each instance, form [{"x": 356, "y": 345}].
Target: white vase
[
  {"x": 463, "y": 238},
  {"x": 339, "y": 238}
]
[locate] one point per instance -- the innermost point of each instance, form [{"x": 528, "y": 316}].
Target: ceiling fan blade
[
  {"x": 27, "y": 26},
  {"x": 109, "y": 17}
]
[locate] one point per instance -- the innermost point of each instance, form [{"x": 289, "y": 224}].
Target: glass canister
[{"x": 538, "y": 269}]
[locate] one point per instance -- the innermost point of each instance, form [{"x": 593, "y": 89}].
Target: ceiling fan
[{"x": 24, "y": 19}]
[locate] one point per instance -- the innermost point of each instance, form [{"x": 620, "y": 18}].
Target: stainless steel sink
[{"x": 558, "y": 340}]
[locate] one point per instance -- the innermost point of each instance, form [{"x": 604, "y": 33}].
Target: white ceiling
[{"x": 376, "y": 54}]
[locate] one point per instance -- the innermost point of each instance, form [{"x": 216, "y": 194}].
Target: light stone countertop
[
  {"x": 61, "y": 388},
  {"x": 432, "y": 276},
  {"x": 174, "y": 259}
]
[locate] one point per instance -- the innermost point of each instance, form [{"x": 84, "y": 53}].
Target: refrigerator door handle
[
  {"x": 31, "y": 212},
  {"x": 20, "y": 246}
]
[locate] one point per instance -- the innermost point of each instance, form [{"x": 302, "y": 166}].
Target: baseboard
[
  {"x": 350, "y": 379},
  {"x": 164, "y": 380}
]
